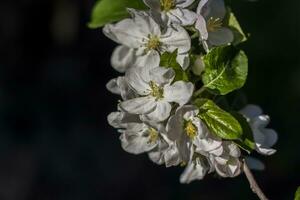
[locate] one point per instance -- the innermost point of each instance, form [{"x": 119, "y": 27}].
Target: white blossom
[
  {"x": 173, "y": 11},
  {"x": 209, "y": 23},
  {"x": 156, "y": 91},
  {"x": 227, "y": 164},
  {"x": 190, "y": 133},
  {"x": 166, "y": 152},
  {"x": 264, "y": 137},
  {"x": 196, "y": 169},
  {"x": 143, "y": 41}
]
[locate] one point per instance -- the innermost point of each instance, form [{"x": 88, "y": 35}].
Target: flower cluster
[{"x": 176, "y": 57}]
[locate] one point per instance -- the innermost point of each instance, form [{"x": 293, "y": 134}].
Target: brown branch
[{"x": 253, "y": 184}]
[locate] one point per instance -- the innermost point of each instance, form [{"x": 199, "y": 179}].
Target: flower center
[
  {"x": 213, "y": 24},
  {"x": 156, "y": 91},
  {"x": 167, "y": 5},
  {"x": 190, "y": 129},
  {"x": 153, "y": 135},
  {"x": 153, "y": 43}
]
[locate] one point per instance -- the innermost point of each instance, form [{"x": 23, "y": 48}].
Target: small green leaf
[
  {"x": 108, "y": 11},
  {"x": 297, "y": 194},
  {"x": 219, "y": 122},
  {"x": 234, "y": 25},
  {"x": 168, "y": 60},
  {"x": 247, "y": 142},
  {"x": 226, "y": 69}
]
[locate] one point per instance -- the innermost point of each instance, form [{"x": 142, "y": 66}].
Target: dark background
[{"x": 55, "y": 143}]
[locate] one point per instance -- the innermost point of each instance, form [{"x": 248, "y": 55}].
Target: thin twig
[{"x": 253, "y": 184}]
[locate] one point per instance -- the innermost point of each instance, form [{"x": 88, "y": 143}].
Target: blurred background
[{"x": 55, "y": 143}]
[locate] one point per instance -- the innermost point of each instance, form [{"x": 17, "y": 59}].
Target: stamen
[
  {"x": 153, "y": 135},
  {"x": 167, "y": 5},
  {"x": 213, "y": 24},
  {"x": 190, "y": 129},
  {"x": 153, "y": 43},
  {"x": 156, "y": 91}
]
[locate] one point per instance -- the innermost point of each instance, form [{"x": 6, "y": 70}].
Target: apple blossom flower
[
  {"x": 156, "y": 91},
  {"x": 190, "y": 133},
  {"x": 227, "y": 164},
  {"x": 138, "y": 138},
  {"x": 143, "y": 41},
  {"x": 264, "y": 137},
  {"x": 149, "y": 138},
  {"x": 209, "y": 23},
  {"x": 166, "y": 152},
  {"x": 173, "y": 11},
  {"x": 196, "y": 169}
]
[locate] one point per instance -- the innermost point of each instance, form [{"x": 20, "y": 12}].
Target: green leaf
[
  {"x": 108, "y": 11},
  {"x": 297, "y": 194},
  {"x": 234, "y": 25},
  {"x": 247, "y": 141},
  {"x": 168, "y": 60},
  {"x": 226, "y": 69},
  {"x": 219, "y": 122}
]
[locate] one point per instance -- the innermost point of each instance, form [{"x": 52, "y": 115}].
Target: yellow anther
[
  {"x": 153, "y": 43},
  {"x": 156, "y": 91},
  {"x": 190, "y": 129},
  {"x": 213, "y": 24},
  {"x": 153, "y": 135},
  {"x": 167, "y": 5}
]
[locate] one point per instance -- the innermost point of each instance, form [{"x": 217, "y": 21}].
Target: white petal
[
  {"x": 207, "y": 144},
  {"x": 234, "y": 167},
  {"x": 215, "y": 9},
  {"x": 175, "y": 127},
  {"x": 221, "y": 36},
  {"x": 180, "y": 92},
  {"x": 157, "y": 154},
  {"x": 172, "y": 156},
  {"x": 251, "y": 111},
  {"x": 125, "y": 32},
  {"x": 145, "y": 22},
  {"x": 183, "y": 60},
  {"x": 195, "y": 170},
  {"x": 149, "y": 60},
  {"x": 115, "y": 119},
  {"x": 126, "y": 91},
  {"x": 161, "y": 75},
  {"x": 176, "y": 38},
  {"x": 265, "y": 150},
  {"x": 122, "y": 58},
  {"x": 160, "y": 113},
  {"x": 271, "y": 137},
  {"x": 113, "y": 87},
  {"x": 183, "y": 17},
  {"x": 138, "y": 79},
  {"x": 217, "y": 152},
  {"x": 230, "y": 169},
  {"x": 201, "y": 4},
  {"x": 201, "y": 27},
  {"x": 141, "y": 105},
  {"x": 232, "y": 149}
]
